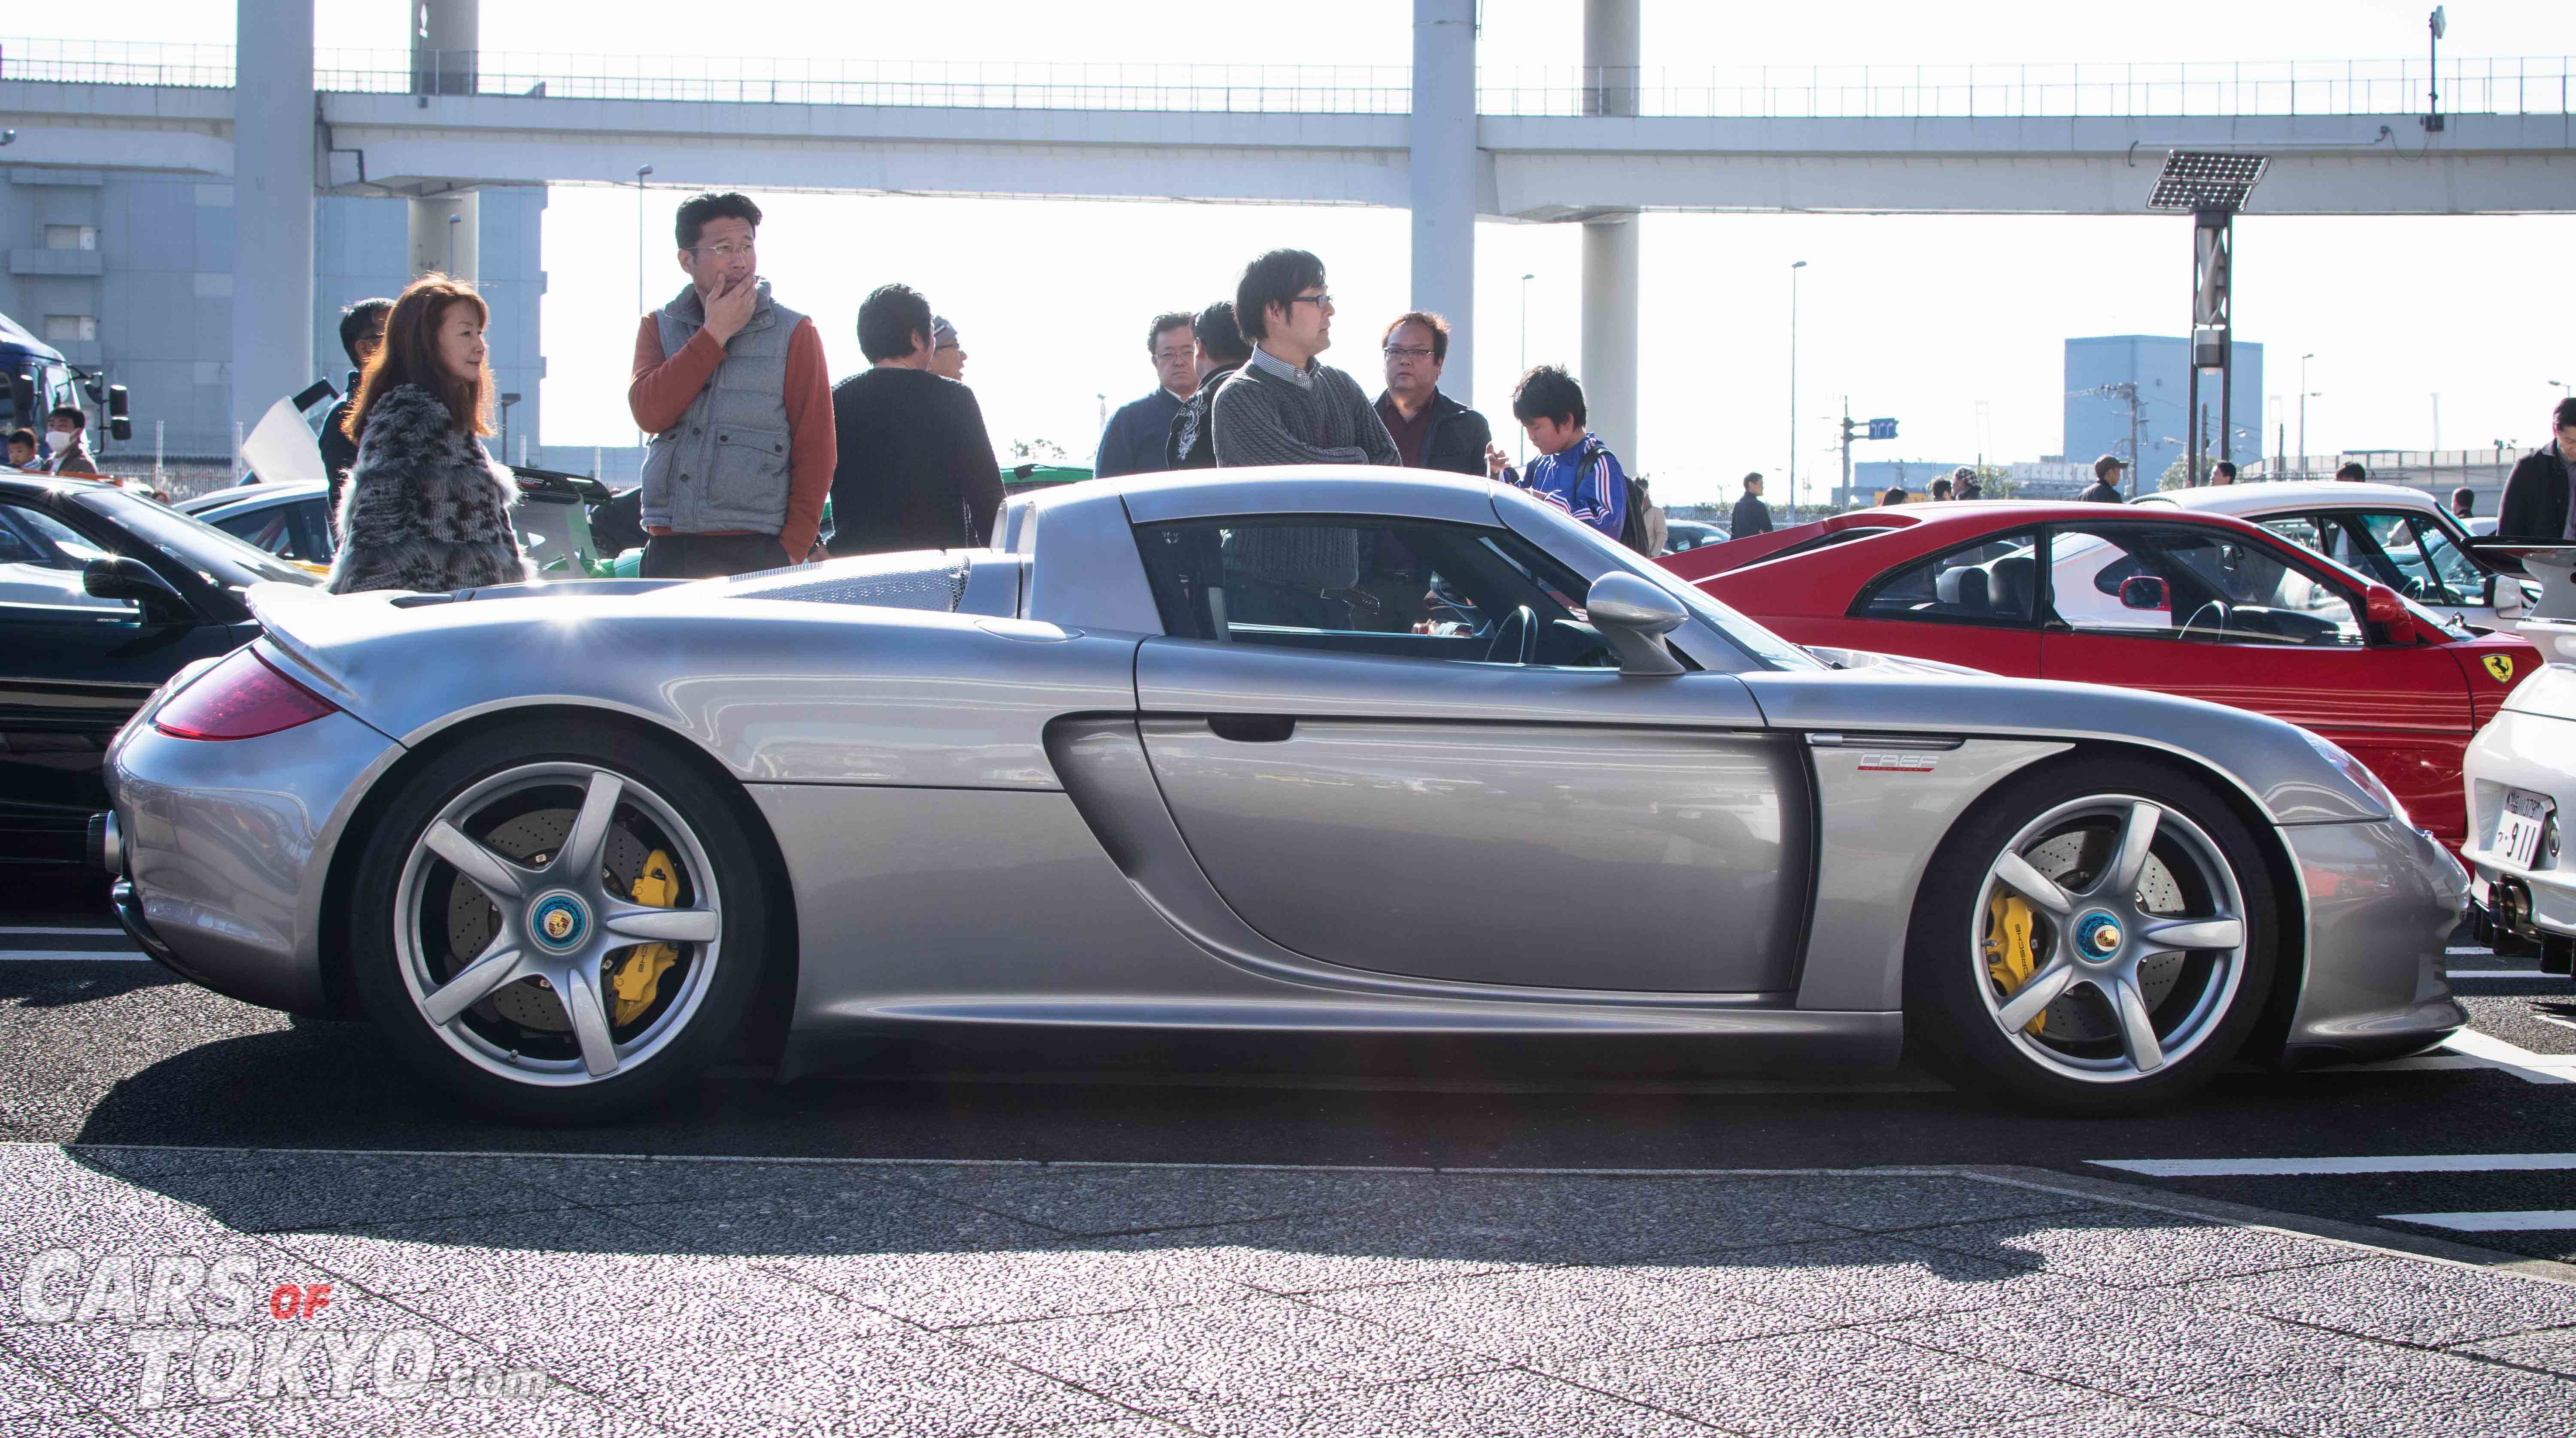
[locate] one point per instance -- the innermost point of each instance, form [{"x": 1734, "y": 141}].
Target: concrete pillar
[
  {"x": 444, "y": 230},
  {"x": 446, "y": 45},
  {"x": 1444, "y": 179},
  {"x": 1610, "y": 333},
  {"x": 272, "y": 204},
  {"x": 1612, "y": 45}
]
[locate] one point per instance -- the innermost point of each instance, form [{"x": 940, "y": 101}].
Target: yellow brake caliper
[
  {"x": 638, "y": 977},
  {"x": 2008, "y": 952}
]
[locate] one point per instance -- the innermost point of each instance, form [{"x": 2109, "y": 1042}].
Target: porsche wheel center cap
[
  {"x": 558, "y": 921},
  {"x": 2097, "y": 937}
]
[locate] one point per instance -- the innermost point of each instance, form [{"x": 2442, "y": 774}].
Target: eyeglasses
[
  {"x": 1402, "y": 352},
  {"x": 1319, "y": 301},
  {"x": 723, "y": 249},
  {"x": 1171, "y": 356}
]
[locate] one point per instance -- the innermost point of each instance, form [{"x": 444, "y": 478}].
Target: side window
[
  {"x": 2410, "y": 554},
  {"x": 2300, "y": 529},
  {"x": 271, "y": 529},
  {"x": 1369, "y": 586},
  {"x": 2192, "y": 584},
  {"x": 41, "y": 561},
  {"x": 312, "y": 532},
  {"x": 1990, "y": 582}
]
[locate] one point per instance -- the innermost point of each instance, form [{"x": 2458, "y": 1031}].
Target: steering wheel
[
  {"x": 2211, "y": 617},
  {"x": 1515, "y": 639}
]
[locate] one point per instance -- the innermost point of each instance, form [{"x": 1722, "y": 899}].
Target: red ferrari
[{"x": 2175, "y": 601}]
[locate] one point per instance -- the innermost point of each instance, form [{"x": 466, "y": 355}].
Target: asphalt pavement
[{"x": 1515, "y": 1232}]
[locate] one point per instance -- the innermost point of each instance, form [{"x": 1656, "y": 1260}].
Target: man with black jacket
[
  {"x": 2536, "y": 497},
  {"x": 362, "y": 333},
  {"x": 914, "y": 468},
  {"x": 1431, "y": 430},
  {"x": 1222, "y": 350},
  {"x": 1751, "y": 516}
]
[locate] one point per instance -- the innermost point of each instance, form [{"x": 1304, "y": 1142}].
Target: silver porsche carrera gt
[{"x": 1307, "y": 752}]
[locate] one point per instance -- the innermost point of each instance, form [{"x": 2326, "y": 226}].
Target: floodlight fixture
[{"x": 2206, "y": 180}]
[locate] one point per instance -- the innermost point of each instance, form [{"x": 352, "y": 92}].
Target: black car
[{"x": 103, "y": 596}]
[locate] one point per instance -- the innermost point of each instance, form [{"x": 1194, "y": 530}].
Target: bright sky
[{"x": 1925, "y": 318}]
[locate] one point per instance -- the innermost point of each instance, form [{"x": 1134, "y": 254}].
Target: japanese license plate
[{"x": 2517, "y": 831}]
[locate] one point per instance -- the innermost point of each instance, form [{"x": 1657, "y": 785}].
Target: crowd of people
[{"x": 751, "y": 438}]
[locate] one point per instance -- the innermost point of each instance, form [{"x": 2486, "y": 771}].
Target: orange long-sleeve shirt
[{"x": 664, "y": 386}]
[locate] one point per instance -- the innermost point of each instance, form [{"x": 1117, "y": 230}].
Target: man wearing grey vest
[{"x": 731, "y": 386}]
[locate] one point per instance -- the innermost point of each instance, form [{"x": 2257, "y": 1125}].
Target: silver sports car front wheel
[
  {"x": 2113, "y": 949},
  {"x": 558, "y": 930}
]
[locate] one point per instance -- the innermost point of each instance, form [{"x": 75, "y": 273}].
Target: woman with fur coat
[{"x": 425, "y": 508}]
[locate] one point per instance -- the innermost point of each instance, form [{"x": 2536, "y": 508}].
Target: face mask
[{"x": 57, "y": 440}]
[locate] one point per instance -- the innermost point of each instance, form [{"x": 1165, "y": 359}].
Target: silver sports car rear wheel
[
  {"x": 561, "y": 925},
  {"x": 557, "y": 922},
  {"x": 2113, "y": 950}
]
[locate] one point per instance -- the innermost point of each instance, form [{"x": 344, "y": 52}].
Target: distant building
[
  {"x": 132, "y": 272},
  {"x": 2097, "y": 417}
]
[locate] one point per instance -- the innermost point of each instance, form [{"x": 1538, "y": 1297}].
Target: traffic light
[{"x": 1882, "y": 429}]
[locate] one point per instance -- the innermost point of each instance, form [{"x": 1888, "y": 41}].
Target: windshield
[{"x": 221, "y": 559}]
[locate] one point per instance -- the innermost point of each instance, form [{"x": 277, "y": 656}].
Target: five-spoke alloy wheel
[
  {"x": 551, "y": 932},
  {"x": 2112, "y": 950}
]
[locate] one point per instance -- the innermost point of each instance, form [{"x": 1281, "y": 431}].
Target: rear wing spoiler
[{"x": 2550, "y": 562}]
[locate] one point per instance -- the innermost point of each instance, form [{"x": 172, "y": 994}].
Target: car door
[
  {"x": 73, "y": 668},
  {"x": 1396, "y": 746},
  {"x": 2220, "y": 615}
]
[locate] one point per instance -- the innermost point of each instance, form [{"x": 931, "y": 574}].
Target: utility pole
[
  {"x": 1794, "y": 267},
  {"x": 1847, "y": 439}
]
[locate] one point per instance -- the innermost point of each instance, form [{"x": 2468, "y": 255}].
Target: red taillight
[{"x": 241, "y": 698}]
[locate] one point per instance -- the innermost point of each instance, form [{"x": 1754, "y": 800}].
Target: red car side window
[{"x": 1989, "y": 582}]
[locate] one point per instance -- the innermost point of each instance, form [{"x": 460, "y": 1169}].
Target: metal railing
[{"x": 2500, "y": 86}]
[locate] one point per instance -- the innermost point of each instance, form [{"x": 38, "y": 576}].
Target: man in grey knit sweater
[{"x": 1283, "y": 407}]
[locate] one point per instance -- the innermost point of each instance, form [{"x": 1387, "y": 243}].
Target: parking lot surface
[
  {"x": 1116, "y": 1243},
  {"x": 578, "y": 1295}
]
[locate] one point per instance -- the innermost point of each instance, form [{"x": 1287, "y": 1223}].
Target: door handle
[{"x": 1252, "y": 728}]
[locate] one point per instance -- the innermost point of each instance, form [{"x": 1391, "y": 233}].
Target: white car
[
  {"x": 2389, "y": 533},
  {"x": 2521, "y": 778}
]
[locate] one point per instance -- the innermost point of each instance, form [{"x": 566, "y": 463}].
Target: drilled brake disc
[{"x": 530, "y": 838}]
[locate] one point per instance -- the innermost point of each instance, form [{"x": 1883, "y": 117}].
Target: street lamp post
[
  {"x": 640, "y": 172},
  {"x": 2304, "y": 394},
  {"x": 1794, "y": 267},
  {"x": 1525, "y": 279}
]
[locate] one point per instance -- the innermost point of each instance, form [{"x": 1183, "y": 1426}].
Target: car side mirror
[
  {"x": 119, "y": 577},
  {"x": 1634, "y": 616},
  {"x": 2388, "y": 614},
  {"x": 2506, "y": 596},
  {"x": 2144, "y": 591}
]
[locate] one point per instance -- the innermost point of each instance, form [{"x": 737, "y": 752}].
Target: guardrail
[{"x": 2498, "y": 86}]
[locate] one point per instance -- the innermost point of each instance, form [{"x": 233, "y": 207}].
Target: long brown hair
[{"x": 409, "y": 355}]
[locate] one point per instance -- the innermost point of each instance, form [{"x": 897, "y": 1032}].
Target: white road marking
[
  {"x": 2500, "y": 974},
  {"x": 2516, "y": 1220},
  {"x": 73, "y": 956},
  {"x": 2522, "y": 1063},
  {"x": 2298, "y": 1167}
]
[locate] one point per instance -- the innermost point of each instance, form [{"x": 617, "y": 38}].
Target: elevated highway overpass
[{"x": 1447, "y": 141}]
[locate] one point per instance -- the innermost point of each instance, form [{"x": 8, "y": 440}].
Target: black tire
[
  {"x": 714, "y": 816},
  {"x": 1949, "y": 1024}
]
